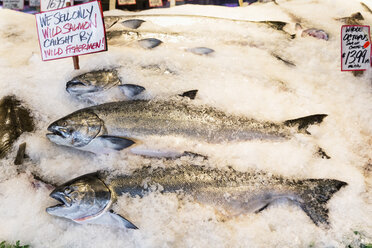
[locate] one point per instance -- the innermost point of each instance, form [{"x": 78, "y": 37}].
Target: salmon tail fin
[
  {"x": 304, "y": 122},
  {"x": 314, "y": 198},
  {"x": 190, "y": 94}
]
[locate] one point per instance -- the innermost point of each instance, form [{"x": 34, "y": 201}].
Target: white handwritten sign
[
  {"x": 355, "y": 48},
  {"x": 71, "y": 31},
  {"x": 155, "y": 3},
  {"x": 46, "y": 5},
  {"x": 34, "y": 3},
  {"x": 13, "y": 4},
  {"x": 126, "y": 2}
]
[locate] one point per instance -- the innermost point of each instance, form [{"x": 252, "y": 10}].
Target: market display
[{"x": 200, "y": 126}]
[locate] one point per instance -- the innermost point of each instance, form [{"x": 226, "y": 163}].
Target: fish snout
[
  {"x": 51, "y": 127},
  {"x": 63, "y": 132},
  {"x": 61, "y": 197},
  {"x": 73, "y": 86}
]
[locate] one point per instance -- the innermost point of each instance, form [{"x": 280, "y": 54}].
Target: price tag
[
  {"x": 355, "y": 48},
  {"x": 155, "y": 3},
  {"x": 13, "y": 4},
  {"x": 126, "y": 2},
  {"x": 71, "y": 31},
  {"x": 46, "y": 5},
  {"x": 34, "y": 3}
]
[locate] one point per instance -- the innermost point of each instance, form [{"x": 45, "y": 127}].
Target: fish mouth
[
  {"x": 58, "y": 131},
  {"x": 77, "y": 87},
  {"x": 64, "y": 201},
  {"x": 74, "y": 83}
]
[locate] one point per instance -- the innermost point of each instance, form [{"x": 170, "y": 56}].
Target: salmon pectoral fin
[
  {"x": 124, "y": 221},
  {"x": 190, "y": 94},
  {"x": 114, "y": 142},
  {"x": 112, "y": 219},
  {"x": 131, "y": 90}
]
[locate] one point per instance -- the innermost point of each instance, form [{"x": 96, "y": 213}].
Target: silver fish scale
[
  {"x": 138, "y": 118},
  {"x": 190, "y": 178}
]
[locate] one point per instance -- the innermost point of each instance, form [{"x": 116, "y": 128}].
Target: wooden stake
[
  {"x": 75, "y": 59},
  {"x": 112, "y": 4}
]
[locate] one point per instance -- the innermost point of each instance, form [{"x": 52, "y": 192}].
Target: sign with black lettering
[
  {"x": 155, "y": 3},
  {"x": 355, "y": 48},
  {"x": 126, "y": 2},
  {"x": 46, "y": 5},
  {"x": 13, "y": 4},
  {"x": 71, "y": 31}
]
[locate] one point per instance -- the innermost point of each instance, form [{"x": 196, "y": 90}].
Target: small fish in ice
[
  {"x": 201, "y": 50},
  {"x": 95, "y": 82},
  {"x": 317, "y": 33},
  {"x": 110, "y": 21},
  {"x": 149, "y": 43},
  {"x": 354, "y": 19},
  {"x": 89, "y": 198},
  {"x": 133, "y": 23},
  {"x": 313, "y": 32},
  {"x": 92, "y": 82}
]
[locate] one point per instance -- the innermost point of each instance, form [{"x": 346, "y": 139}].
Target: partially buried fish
[
  {"x": 118, "y": 125},
  {"x": 201, "y": 50},
  {"x": 354, "y": 19},
  {"x": 89, "y": 198},
  {"x": 110, "y": 21},
  {"x": 132, "y": 23},
  {"x": 317, "y": 33},
  {"x": 91, "y": 83},
  {"x": 149, "y": 43},
  {"x": 312, "y": 32},
  {"x": 14, "y": 120}
]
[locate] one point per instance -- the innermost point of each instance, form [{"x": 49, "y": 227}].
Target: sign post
[
  {"x": 112, "y": 4},
  {"x": 71, "y": 31},
  {"x": 355, "y": 48}
]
